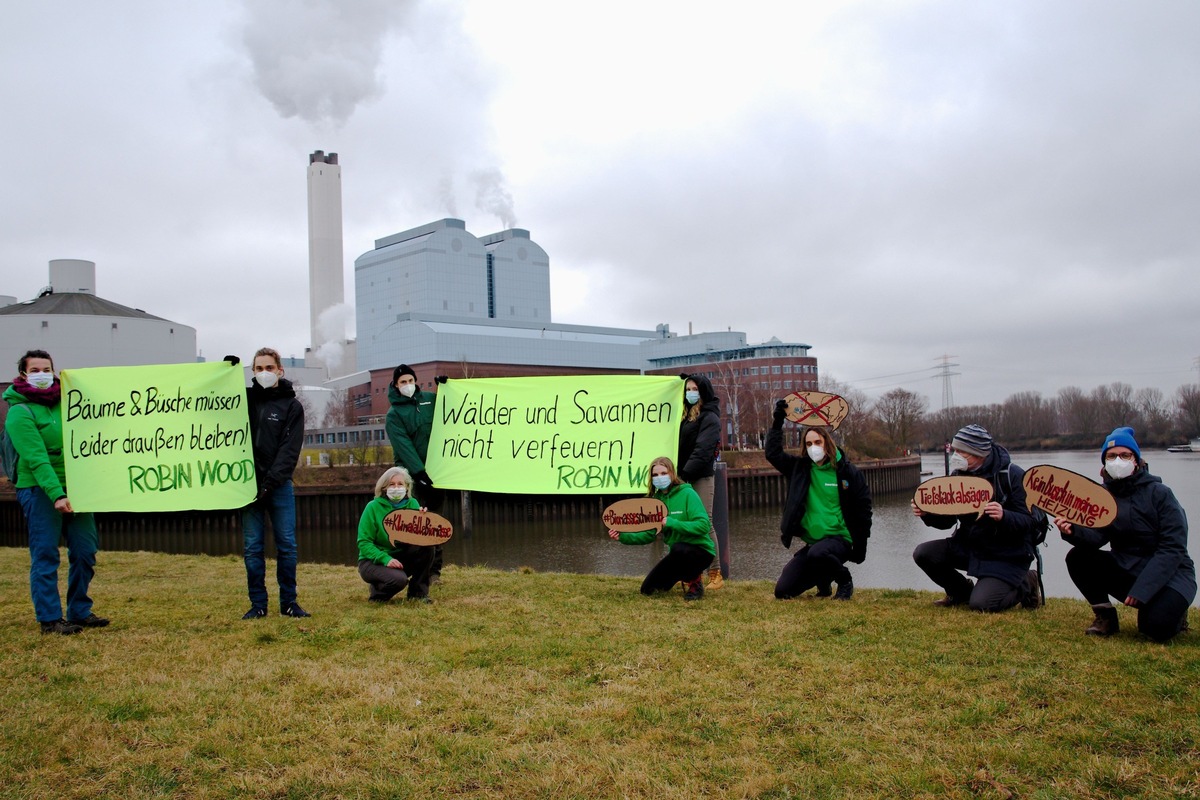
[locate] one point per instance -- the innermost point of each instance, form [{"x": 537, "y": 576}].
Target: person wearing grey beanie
[{"x": 997, "y": 547}]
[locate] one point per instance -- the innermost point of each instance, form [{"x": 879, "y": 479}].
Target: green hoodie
[
  {"x": 686, "y": 521},
  {"x": 823, "y": 513},
  {"x": 409, "y": 422},
  {"x": 373, "y": 542},
  {"x": 36, "y": 433}
]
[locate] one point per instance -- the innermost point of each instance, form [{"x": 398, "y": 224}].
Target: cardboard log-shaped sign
[
  {"x": 1069, "y": 495},
  {"x": 413, "y": 526},
  {"x": 635, "y": 514},
  {"x": 953, "y": 495},
  {"x": 817, "y": 409}
]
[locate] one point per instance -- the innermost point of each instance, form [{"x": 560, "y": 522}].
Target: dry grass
[{"x": 546, "y": 685}]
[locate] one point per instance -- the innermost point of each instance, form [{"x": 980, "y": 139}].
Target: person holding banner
[
  {"x": 34, "y": 427},
  {"x": 386, "y": 567},
  {"x": 685, "y": 531},
  {"x": 699, "y": 439},
  {"x": 408, "y": 423},
  {"x": 1147, "y": 564},
  {"x": 277, "y": 430},
  {"x": 996, "y": 547},
  {"x": 828, "y": 506}
]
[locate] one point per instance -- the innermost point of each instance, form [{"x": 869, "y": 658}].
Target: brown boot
[
  {"x": 1106, "y": 622},
  {"x": 715, "y": 581}
]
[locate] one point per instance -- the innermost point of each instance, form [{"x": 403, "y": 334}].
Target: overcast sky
[{"x": 1014, "y": 184}]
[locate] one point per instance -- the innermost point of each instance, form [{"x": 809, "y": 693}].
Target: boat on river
[{"x": 1191, "y": 447}]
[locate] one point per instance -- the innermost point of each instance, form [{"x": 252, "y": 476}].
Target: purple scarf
[{"x": 49, "y": 396}]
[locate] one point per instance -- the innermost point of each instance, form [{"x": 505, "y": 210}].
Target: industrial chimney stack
[{"x": 325, "y": 267}]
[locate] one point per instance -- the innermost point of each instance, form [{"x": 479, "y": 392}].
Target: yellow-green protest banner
[
  {"x": 170, "y": 437},
  {"x": 574, "y": 434}
]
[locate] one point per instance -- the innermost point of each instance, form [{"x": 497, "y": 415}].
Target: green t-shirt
[{"x": 823, "y": 512}]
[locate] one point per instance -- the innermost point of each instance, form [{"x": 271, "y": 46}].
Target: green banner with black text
[{"x": 575, "y": 434}]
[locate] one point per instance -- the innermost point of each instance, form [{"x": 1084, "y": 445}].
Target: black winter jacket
[
  {"x": 277, "y": 430},
  {"x": 1148, "y": 538},
  {"x": 853, "y": 494},
  {"x": 699, "y": 438}
]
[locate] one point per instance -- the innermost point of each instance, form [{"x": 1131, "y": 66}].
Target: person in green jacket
[
  {"x": 685, "y": 530},
  {"x": 408, "y": 423},
  {"x": 386, "y": 567},
  {"x": 34, "y": 426}
]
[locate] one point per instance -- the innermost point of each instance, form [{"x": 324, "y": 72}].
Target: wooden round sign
[
  {"x": 1069, "y": 495},
  {"x": 817, "y": 409},
  {"x": 953, "y": 495},
  {"x": 635, "y": 514},
  {"x": 413, "y": 526}
]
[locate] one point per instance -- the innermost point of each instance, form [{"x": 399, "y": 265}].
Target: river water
[{"x": 755, "y": 552}]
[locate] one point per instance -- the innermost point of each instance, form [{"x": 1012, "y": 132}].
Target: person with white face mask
[
  {"x": 34, "y": 426},
  {"x": 1147, "y": 565},
  {"x": 388, "y": 567},
  {"x": 277, "y": 430},
  {"x": 828, "y": 507},
  {"x": 995, "y": 547},
  {"x": 409, "y": 422},
  {"x": 685, "y": 531}
]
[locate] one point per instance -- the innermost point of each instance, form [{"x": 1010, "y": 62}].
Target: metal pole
[{"x": 720, "y": 514}]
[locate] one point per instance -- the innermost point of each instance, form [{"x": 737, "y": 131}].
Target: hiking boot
[
  {"x": 292, "y": 610},
  {"x": 948, "y": 601},
  {"x": 1033, "y": 591},
  {"x": 255, "y": 612},
  {"x": 694, "y": 589},
  {"x": 60, "y": 626},
  {"x": 845, "y": 590},
  {"x": 90, "y": 621},
  {"x": 715, "y": 581},
  {"x": 1106, "y": 622},
  {"x": 825, "y": 591}
]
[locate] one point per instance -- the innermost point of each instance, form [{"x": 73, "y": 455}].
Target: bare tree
[
  {"x": 1188, "y": 403},
  {"x": 901, "y": 413},
  {"x": 339, "y": 413}
]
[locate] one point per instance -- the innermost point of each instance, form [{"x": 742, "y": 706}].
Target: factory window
[
  {"x": 787, "y": 384},
  {"x": 775, "y": 370},
  {"x": 775, "y": 385},
  {"x": 45, "y": 324},
  {"x": 787, "y": 369},
  {"x": 754, "y": 370},
  {"x": 114, "y": 326}
]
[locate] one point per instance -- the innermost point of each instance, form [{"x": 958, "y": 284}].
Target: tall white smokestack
[{"x": 324, "y": 249}]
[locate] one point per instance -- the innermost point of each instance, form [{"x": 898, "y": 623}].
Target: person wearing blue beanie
[{"x": 1147, "y": 565}]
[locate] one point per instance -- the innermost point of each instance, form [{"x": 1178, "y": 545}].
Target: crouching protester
[
  {"x": 685, "y": 531},
  {"x": 389, "y": 567},
  {"x": 1147, "y": 565},
  {"x": 828, "y": 507},
  {"x": 995, "y": 547}
]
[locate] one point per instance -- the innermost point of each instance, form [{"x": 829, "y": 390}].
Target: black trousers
[
  {"x": 942, "y": 563},
  {"x": 386, "y": 582},
  {"x": 817, "y": 564},
  {"x": 1098, "y": 576},
  {"x": 683, "y": 562}
]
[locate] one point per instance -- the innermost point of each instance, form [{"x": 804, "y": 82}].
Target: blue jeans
[
  {"x": 281, "y": 505},
  {"x": 46, "y": 528}
]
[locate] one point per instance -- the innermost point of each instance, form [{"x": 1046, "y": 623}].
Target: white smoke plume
[
  {"x": 492, "y": 195},
  {"x": 331, "y": 327},
  {"x": 319, "y": 59}
]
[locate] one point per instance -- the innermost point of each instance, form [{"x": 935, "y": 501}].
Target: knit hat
[
  {"x": 1121, "y": 437},
  {"x": 973, "y": 439},
  {"x": 403, "y": 369}
]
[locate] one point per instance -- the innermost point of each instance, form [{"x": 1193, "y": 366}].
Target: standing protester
[
  {"x": 685, "y": 531},
  {"x": 409, "y": 422},
  {"x": 828, "y": 506},
  {"x": 1147, "y": 565},
  {"x": 277, "y": 430},
  {"x": 386, "y": 566},
  {"x": 699, "y": 438},
  {"x": 995, "y": 547},
  {"x": 34, "y": 426}
]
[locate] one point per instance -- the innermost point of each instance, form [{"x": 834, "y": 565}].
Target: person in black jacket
[
  {"x": 1147, "y": 564},
  {"x": 828, "y": 506},
  {"x": 277, "y": 430},
  {"x": 699, "y": 438},
  {"x": 995, "y": 547}
]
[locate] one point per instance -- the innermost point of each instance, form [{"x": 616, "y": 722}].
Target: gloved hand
[
  {"x": 858, "y": 552},
  {"x": 234, "y": 360},
  {"x": 780, "y": 414},
  {"x": 786, "y": 538},
  {"x": 422, "y": 479},
  {"x": 441, "y": 378}
]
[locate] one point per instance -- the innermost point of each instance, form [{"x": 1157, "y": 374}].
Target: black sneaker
[
  {"x": 1033, "y": 591},
  {"x": 694, "y": 590},
  {"x": 293, "y": 610},
  {"x": 845, "y": 590},
  {"x": 90, "y": 621},
  {"x": 60, "y": 626},
  {"x": 255, "y": 612}
]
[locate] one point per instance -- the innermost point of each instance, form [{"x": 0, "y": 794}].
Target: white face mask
[
  {"x": 396, "y": 492},
  {"x": 958, "y": 463},
  {"x": 661, "y": 482},
  {"x": 1119, "y": 468},
  {"x": 816, "y": 452},
  {"x": 266, "y": 379},
  {"x": 691, "y": 397},
  {"x": 408, "y": 389},
  {"x": 40, "y": 380}
]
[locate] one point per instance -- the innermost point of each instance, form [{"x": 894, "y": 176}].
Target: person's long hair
[
  {"x": 826, "y": 433},
  {"x": 670, "y": 465}
]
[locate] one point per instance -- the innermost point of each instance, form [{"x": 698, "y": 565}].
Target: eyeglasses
[{"x": 1119, "y": 456}]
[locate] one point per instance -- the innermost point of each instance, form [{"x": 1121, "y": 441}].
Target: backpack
[
  {"x": 9, "y": 457},
  {"x": 1004, "y": 489}
]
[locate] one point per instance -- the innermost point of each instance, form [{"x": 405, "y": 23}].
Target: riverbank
[{"x": 516, "y": 684}]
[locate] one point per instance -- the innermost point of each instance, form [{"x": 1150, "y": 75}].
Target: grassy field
[{"x": 516, "y": 684}]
